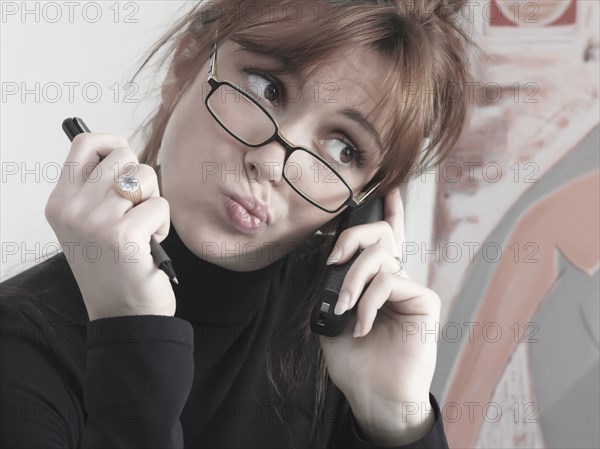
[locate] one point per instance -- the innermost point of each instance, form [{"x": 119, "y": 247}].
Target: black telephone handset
[{"x": 323, "y": 321}]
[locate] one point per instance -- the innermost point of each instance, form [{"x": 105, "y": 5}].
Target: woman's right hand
[{"x": 104, "y": 238}]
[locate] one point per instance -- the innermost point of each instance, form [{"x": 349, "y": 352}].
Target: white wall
[
  {"x": 44, "y": 52},
  {"x": 53, "y": 59},
  {"x": 419, "y": 202}
]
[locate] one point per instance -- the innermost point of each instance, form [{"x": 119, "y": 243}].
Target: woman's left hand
[{"x": 391, "y": 363}]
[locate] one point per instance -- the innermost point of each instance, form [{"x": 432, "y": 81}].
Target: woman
[{"x": 124, "y": 357}]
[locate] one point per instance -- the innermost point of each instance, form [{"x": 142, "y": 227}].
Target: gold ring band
[{"x": 128, "y": 186}]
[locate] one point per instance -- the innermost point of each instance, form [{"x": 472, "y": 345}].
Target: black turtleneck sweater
[{"x": 197, "y": 379}]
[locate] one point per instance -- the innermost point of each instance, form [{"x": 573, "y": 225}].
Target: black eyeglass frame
[{"x": 215, "y": 83}]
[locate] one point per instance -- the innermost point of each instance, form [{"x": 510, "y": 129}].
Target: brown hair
[{"x": 426, "y": 48}]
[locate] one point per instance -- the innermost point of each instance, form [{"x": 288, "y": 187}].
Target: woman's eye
[
  {"x": 263, "y": 87},
  {"x": 342, "y": 154}
]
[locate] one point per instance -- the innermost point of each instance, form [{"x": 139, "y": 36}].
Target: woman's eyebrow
[
  {"x": 277, "y": 65},
  {"x": 359, "y": 118}
]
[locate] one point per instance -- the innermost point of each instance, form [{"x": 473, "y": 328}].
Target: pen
[{"x": 74, "y": 126}]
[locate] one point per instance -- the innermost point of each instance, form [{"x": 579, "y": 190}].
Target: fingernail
[
  {"x": 342, "y": 304},
  {"x": 334, "y": 257},
  {"x": 357, "y": 330}
]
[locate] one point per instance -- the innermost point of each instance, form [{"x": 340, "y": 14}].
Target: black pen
[{"x": 74, "y": 126}]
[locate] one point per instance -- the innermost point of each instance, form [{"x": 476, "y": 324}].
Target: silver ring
[
  {"x": 401, "y": 269},
  {"x": 128, "y": 186}
]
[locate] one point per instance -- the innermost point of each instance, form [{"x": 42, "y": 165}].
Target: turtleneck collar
[{"x": 209, "y": 293}]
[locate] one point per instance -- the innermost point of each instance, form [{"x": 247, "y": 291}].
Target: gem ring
[{"x": 128, "y": 186}]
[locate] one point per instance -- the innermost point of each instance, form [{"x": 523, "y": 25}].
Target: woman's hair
[{"x": 426, "y": 48}]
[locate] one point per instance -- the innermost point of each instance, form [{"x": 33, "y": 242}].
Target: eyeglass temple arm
[
  {"x": 212, "y": 65},
  {"x": 360, "y": 200}
]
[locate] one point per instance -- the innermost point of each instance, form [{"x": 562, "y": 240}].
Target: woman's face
[{"x": 202, "y": 166}]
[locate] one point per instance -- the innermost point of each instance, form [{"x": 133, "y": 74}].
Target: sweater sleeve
[
  {"x": 137, "y": 378},
  {"x": 348, "y": 434}
]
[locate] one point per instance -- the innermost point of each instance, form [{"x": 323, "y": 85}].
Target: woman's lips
[
  {"x": 253, "y": 206},
  {"x": 241, "y": 219}
]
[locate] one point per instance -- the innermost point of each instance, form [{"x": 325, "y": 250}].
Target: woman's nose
[{"x": 267, "y": 161}]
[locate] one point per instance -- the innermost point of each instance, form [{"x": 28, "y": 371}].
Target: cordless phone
[{"x": 323, "y": 321}]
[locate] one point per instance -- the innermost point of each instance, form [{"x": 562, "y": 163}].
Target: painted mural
[{"x": 517, "y": 235}]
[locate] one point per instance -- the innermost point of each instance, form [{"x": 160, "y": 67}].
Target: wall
[
  {"x": 518, "y": 266},
  {"x": 57, "y": 62}
]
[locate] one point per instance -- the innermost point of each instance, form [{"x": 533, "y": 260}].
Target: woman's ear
[{"x": 174, "y": 78}]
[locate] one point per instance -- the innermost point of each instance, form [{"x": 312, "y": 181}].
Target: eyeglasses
[{"x": 245, "y": 119}]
